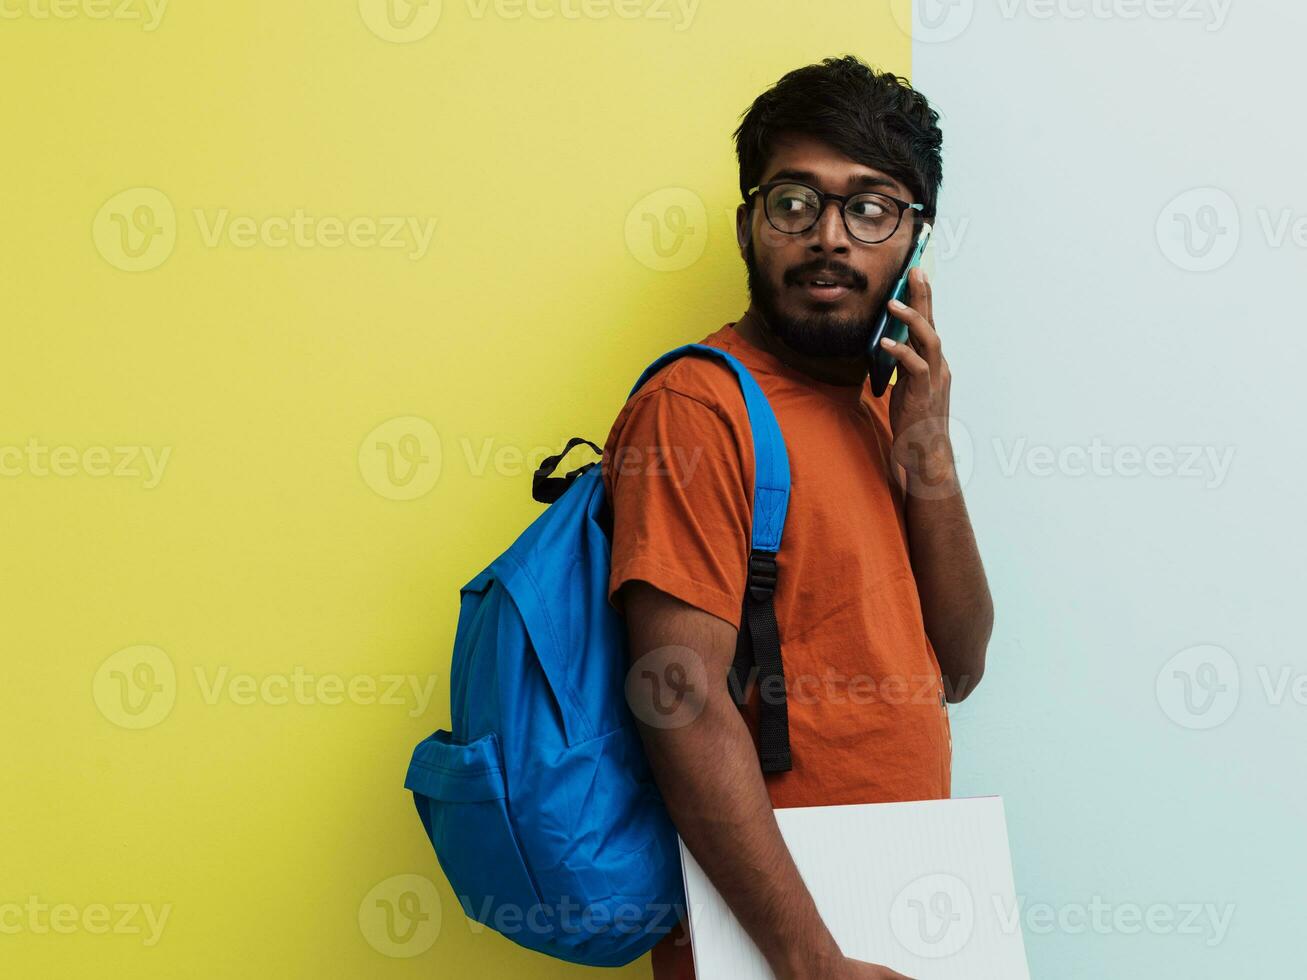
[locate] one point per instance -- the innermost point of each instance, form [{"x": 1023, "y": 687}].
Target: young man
[{"x": 881, "y": 601}]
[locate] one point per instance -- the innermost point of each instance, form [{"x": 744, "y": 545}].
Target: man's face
[{"x": 781, "y": 267}]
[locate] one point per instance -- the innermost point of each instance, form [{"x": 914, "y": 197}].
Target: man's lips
[
  {"x": 824, "y": 294},
  {"x": 825, "y": 285}
]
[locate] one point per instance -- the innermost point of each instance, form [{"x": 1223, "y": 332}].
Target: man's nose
[{"x": 829, "y": 233}]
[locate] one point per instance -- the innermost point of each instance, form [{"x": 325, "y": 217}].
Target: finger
[
  {"x": 921, "y": 334},
  {"x": 923, "y": 298},
  {"x": 909, "y": 361}
]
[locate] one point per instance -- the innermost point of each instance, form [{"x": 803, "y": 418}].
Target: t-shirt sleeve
[{"x": 680, "y": 495}]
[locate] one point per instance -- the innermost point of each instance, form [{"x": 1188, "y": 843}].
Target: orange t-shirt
[{"x": 868, "y": 721}]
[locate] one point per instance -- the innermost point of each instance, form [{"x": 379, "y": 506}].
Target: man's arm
[
  {"x": 704, "y": 761},
  {"x": 955, "y": 602}
]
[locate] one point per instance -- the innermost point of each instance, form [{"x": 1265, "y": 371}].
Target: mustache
[{"x": 845, "y": 275}]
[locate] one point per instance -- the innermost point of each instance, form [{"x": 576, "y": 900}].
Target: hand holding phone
[{"x": 880, "y": 364}]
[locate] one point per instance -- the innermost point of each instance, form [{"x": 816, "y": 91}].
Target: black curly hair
[{"x": 873, "y": 117}]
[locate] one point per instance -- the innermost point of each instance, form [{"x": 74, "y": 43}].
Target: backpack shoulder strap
[
  {"x": 771, "y": 491},
  {"x": 759, "y": 638}
]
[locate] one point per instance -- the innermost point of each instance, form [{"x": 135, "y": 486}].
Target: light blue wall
[{"x": 1073, "y": 310}]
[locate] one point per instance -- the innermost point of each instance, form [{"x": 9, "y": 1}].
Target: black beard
[{"x": 816, "y": 334}]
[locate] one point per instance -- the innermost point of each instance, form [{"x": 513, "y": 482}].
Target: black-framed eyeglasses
[{"x": 793, "y": 207}]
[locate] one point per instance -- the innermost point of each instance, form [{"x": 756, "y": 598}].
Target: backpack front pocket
[{"x": 461, "y": 797}]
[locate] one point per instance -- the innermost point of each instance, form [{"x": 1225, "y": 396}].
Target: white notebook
[{"x": 924, "y": 888}]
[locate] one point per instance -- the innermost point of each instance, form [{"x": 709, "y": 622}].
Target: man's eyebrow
[{"x": 857, "y": 180}]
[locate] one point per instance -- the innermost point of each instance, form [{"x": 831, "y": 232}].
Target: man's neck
[{"x": 829, "y": 370}]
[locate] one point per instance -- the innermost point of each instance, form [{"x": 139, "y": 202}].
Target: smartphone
[{"x": 880, "y": 364}]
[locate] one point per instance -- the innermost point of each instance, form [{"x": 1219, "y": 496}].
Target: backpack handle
[{"x": 547, "y": 488}]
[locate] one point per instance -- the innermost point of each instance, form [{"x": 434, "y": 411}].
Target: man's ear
[{"x": 742, "y": 229}]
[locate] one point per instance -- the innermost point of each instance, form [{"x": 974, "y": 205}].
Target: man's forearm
[
  {"x": 704, "y": 761},
  {"x": 956, "y": 605},
  {"x": 709, "y": 777}
]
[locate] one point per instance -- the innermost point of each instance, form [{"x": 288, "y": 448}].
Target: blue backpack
[{"x": 540, "y": 803}]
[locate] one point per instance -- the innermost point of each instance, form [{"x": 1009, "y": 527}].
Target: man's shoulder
[{"x": 700, "y": 378}]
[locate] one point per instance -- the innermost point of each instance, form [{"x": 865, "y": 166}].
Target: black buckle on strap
[
  {"x": 758, "y": 652},
  {"x": 762, "y": 575}
]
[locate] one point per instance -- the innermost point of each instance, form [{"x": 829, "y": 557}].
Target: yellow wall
[{"x": 210, "y": 568}]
